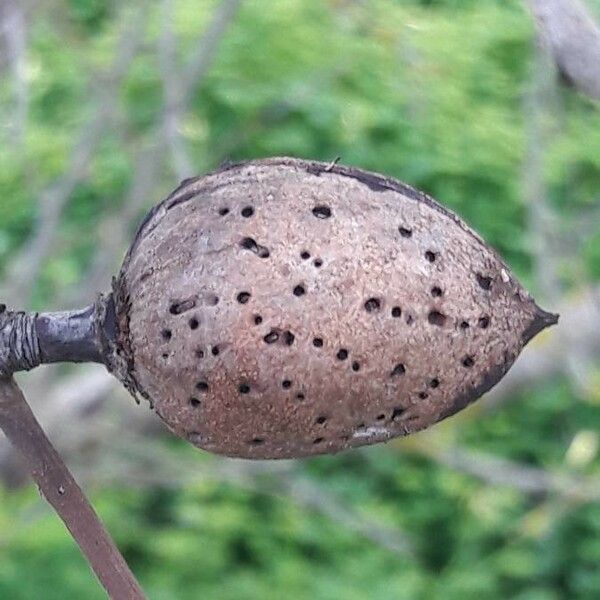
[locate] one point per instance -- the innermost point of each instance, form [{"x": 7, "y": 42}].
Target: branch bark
[
  {"x": 574, "y": 39},
  {"x": 60, "y": 489}
]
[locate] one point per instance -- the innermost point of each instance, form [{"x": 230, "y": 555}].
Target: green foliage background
[{"x": 431, "y": 92}]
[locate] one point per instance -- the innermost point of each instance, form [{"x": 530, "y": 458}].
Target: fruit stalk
[{"x": 26, "y": 341}]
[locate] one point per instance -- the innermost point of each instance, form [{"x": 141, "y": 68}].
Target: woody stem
[{"x": 60, "y": 489}]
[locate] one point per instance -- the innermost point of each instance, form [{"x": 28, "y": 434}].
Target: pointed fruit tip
[{"x": 541, "y": 321}]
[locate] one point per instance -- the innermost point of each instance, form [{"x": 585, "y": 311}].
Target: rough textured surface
[
  {"x": 19, "y": 345},
  {"x": 282, "y": 308}
]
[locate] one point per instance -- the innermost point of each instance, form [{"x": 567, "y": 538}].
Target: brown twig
[{"x": 60, "y": 489}]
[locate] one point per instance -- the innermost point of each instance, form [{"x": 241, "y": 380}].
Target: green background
[{"x": 434, "y": 93}]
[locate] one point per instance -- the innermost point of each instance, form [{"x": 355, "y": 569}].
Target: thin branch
[
  {"x": 541, "y": 112},
  {"x": 60, "y": 489},
  {"x": 574, "y": 38},
  {"x": 115, "y": 229},
  {"x": 540, "y": 115},
  {"x": 26, "y": 266},
  {"x": 313, "y": 496},
  {"x": 179, "y": 89},
  {"x": 541, "y": 118},
  {"x": 16, "y": 42},
  {"x": 296, "y": 96},
  {"x": 205, "y": 52},
  {"x": 499, "y": 471},
  {"x": 172, "y": 112},
  {"x": 274, "y": 479}
]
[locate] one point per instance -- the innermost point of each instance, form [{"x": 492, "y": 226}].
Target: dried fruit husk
[{"x": 282, "y": 308}]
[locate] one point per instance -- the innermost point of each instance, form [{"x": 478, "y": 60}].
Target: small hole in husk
[
  {"x": 484, "y": 281},
  {"x": 372, "y": 304},
  {"x": 397, "y": 412},
  {"x": 223, "y": 211},
  {"x": 318, "y": 263},
  {"x": 430, "y": 256},
  {"x": 199, "y": 353},
  {"x": 464, "y": 325},
  {"x": 468, "y": 362},
  {"x": 320, "y": 420},
  {"x": 244, "y": 388},
  {"x": 243, "y": 297},
  {"x": 484, "y": 322},
  {"x": 167, "y": 334},
  {"x": 247, "y": 212},
  {"x": 405, "y": 232},
  {"x": 288, "y": 338},
  {"x": 257, "y": 441},
  {"x": 215, "y": 350},
  {"x": 271, "y": 337},
  {"x": 399, "y": 369},
  {"x": 318, "y": 342},
  {"x": 299, "y": 291},
  {"x": 321, "y": 211},
  {"x": 305, "y": 255},
  {"x": 258, "y": 319},
  {"x": 178, "y": 308},
  {"x": 436, "y": 318},
  {"x": 286, "y": 384},
  {"x": 436, "y": 291},
  {"x": 250, "y": 244},
  {"x": 202, "y": 386},
  {"x": 423, "y": 395},
  {"x": 194, "y": 323},
  {"x": 434, "y": 383},
  {"x": 355, "y": 366},
  {"x": 318, "y": 440},
  {"x": 396, "y": 312},
  {"x": 195, "y": 402},
  {"x": 342, "y": 354}
]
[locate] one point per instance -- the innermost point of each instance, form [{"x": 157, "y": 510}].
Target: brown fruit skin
[{"x": 246, "y": 346}]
